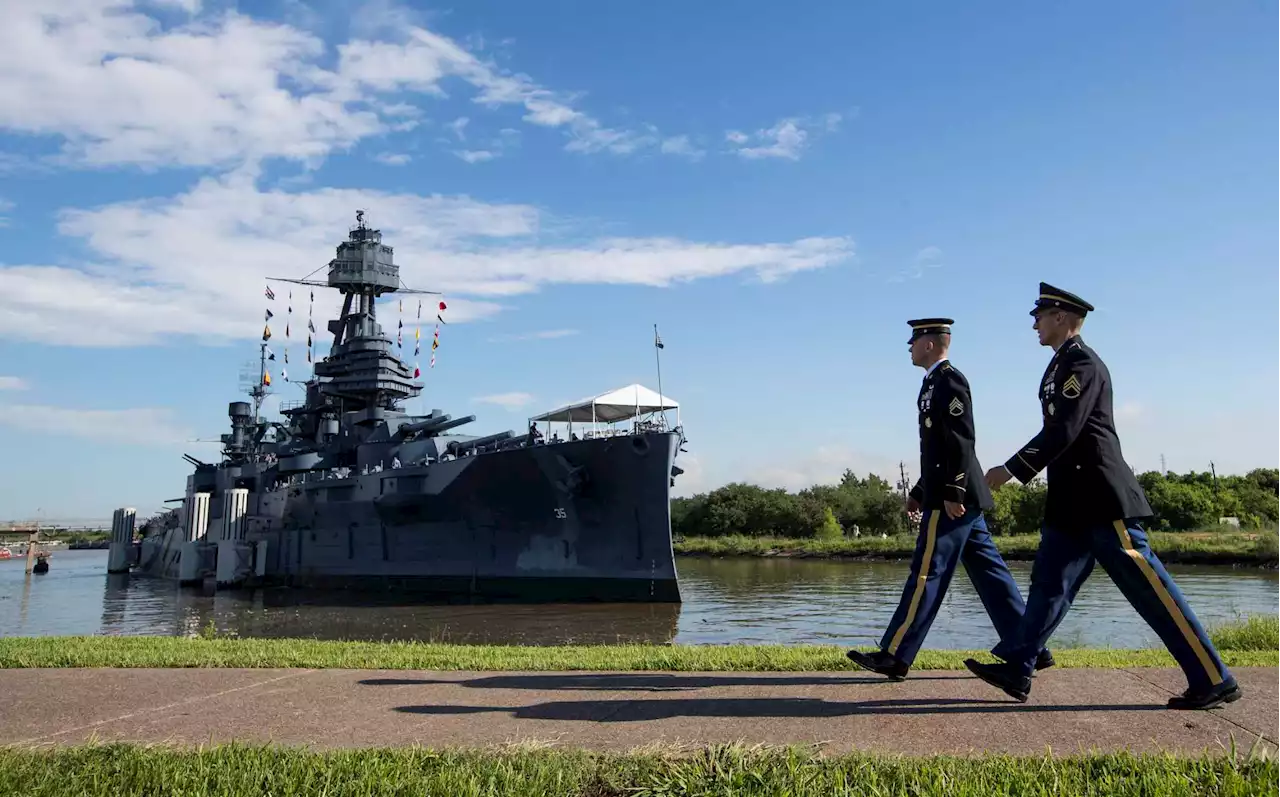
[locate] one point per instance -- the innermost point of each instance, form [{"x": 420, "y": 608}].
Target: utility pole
[
  {"x": 1214, "y": 471},
  {"x": 1163, "y": 469}
]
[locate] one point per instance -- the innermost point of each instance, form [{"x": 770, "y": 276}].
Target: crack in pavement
[
  {"x": 1211, "y": 712},
  {"x": 159, "y": 709}
]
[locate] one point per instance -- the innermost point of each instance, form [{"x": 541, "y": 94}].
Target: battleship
[{"x": 350, "y": 492}]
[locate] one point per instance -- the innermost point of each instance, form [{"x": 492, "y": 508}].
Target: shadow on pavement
[
  {"x": 647, "y": 710},
  {"x": 637, "y": 682}
]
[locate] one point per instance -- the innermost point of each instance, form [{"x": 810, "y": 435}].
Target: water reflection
[{"x": 745, "y": 600}]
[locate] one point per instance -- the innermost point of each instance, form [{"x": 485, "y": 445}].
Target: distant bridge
[{"x": 50, "y": 525}]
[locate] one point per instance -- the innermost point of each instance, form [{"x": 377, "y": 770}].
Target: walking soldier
[
  {"x": 953, "y": 497},
  {"x": 1093, "y": 512}
]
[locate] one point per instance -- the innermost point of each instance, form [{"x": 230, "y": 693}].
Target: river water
[{"x": 755, "y": 601}]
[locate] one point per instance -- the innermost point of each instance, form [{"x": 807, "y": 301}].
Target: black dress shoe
[
  {"x": 1002, "y": 676},
  {"x": 880, "y": 662},
  {"x": 1225, "y": 692},
  {"x": 1044, "y": 661}
]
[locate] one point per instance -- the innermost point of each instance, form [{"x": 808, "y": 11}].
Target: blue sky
[{"x": 779, "y": 188}]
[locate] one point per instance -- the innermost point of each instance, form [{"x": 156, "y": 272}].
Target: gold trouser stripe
[
  {"x": 1169, "y": 604},
  {"x": 930, "y": 535}
]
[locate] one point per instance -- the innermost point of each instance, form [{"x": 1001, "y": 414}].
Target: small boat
[
  {"x": 42, "y": 563},
  {"x": 5, "y": 553}
]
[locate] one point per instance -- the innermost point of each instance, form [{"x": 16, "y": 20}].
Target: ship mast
[
  {"x": 259, "y": 391},
  {"x": 361, "y": 372}
]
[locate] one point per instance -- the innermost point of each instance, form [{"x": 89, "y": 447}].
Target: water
[{"x": 737, "y": 600}]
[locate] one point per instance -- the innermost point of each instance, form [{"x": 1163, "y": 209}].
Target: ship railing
[
  {"x": 642, "y": 427},
  {"x": 292, "y": 404}
]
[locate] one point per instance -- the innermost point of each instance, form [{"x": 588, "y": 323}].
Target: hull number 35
[{"x": 560, "y": 513}]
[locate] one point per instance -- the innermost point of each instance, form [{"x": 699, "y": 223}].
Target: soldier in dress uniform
[
  {"x": 1093, "y": 512},
  {"x": 953, "y": 497}
]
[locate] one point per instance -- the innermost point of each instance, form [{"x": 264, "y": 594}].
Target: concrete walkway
[{"x": 932, "y": 712}]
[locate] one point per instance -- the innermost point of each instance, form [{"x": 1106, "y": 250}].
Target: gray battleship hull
[
  {"x": 572, "y": 521},
  {"x": 586, "y": 520}
]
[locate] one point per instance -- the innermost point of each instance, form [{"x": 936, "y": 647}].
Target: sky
[{"x": 778, "y": 188}]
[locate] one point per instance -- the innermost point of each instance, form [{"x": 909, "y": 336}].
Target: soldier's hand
[
  {"x": 913, "y": 506},
  {"x": 954, "y": 510},
  {"x": 997, "y": 476}
]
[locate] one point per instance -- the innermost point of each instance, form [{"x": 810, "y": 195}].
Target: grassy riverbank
[
  {"x": 118, "y": 770},
  {"x": 1256, "y": 549},
  {"x": 1251, "y": 643}
]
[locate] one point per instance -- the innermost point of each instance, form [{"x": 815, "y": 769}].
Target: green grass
[
  {"x": 118, "y": 770},
  {"x": 1215, "y": 547},
  {"x": 1255, "y": 642}
]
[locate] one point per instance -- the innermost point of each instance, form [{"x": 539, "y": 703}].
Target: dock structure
[{"x": 122, "y": 525}]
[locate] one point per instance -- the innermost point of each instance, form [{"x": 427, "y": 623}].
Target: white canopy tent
[{"x": 622, "y": 404}]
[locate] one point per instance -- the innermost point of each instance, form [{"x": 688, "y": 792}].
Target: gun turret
[
  {"x": 434, "y": 425},
  {"x": 457, "y": 448}
]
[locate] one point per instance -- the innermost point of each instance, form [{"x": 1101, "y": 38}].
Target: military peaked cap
[
  {"x": 930, "y": 326},
  {"x": 1056, "y": 297}
]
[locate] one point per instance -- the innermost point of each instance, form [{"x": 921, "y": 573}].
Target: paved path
[{"x": 932, "y": 712}]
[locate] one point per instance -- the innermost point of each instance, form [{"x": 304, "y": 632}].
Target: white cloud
[
  {"x": 1130, "y": 411},
  {"x": 682, "y": 145},
  {"x": 196, "y": 263},
  {"x": 694, "y": 479},
  {"x": 13, "y": 383},
  {"x": 392, "y": 158},
  {"x": 787, "y": 139},
  {"x": 474, "y": 155},
  {"x": 545, "y": 334},
  {"x": 190, "y": 6},
  {"x": 221, "y": 88},
  {"x": 510, "y": 401},
  {"x": 824, "y": 466},
  {"x": 118, "y": 88},
  {"x": 139, "y": 426},
  {"x": 930, "y": 257}
]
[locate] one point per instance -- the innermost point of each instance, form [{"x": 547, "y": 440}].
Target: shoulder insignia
[
  {"x": 928, "y": 423},
  {"x": 959, "y": 477},
  {"x": 1071, "y": 388},
  {"x": 956, "y": 406},
  {"x": 1031, "y": 452}
]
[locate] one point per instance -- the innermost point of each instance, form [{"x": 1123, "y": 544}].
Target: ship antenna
[{"x": 657, "y": 356}]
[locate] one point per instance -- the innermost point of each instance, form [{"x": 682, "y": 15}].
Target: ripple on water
[{"x": 756, "y": 601}]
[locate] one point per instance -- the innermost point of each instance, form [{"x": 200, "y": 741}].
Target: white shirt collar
[{"x": 934, "y": 366}]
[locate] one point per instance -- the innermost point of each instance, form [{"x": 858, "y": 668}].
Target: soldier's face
[
  {"x": 920, "y": 350},
  {"x": 1048, "y": 325}
]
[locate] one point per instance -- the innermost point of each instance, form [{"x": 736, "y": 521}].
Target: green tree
[
  {"x": 830, "y": 529},
  {"x": 1183, "y": 505},
  {"x": 1180, "y": 502}
]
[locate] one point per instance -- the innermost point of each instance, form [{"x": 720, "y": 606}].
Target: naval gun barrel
[
  {"x": 461, "y": 448},
  {"x": 432, "y": 425},
  {"x": 514, "y": 442},
  {"x": 194, "y": 461}
]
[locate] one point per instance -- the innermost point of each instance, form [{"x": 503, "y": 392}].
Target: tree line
[{"x": 1181, "y": 502}]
